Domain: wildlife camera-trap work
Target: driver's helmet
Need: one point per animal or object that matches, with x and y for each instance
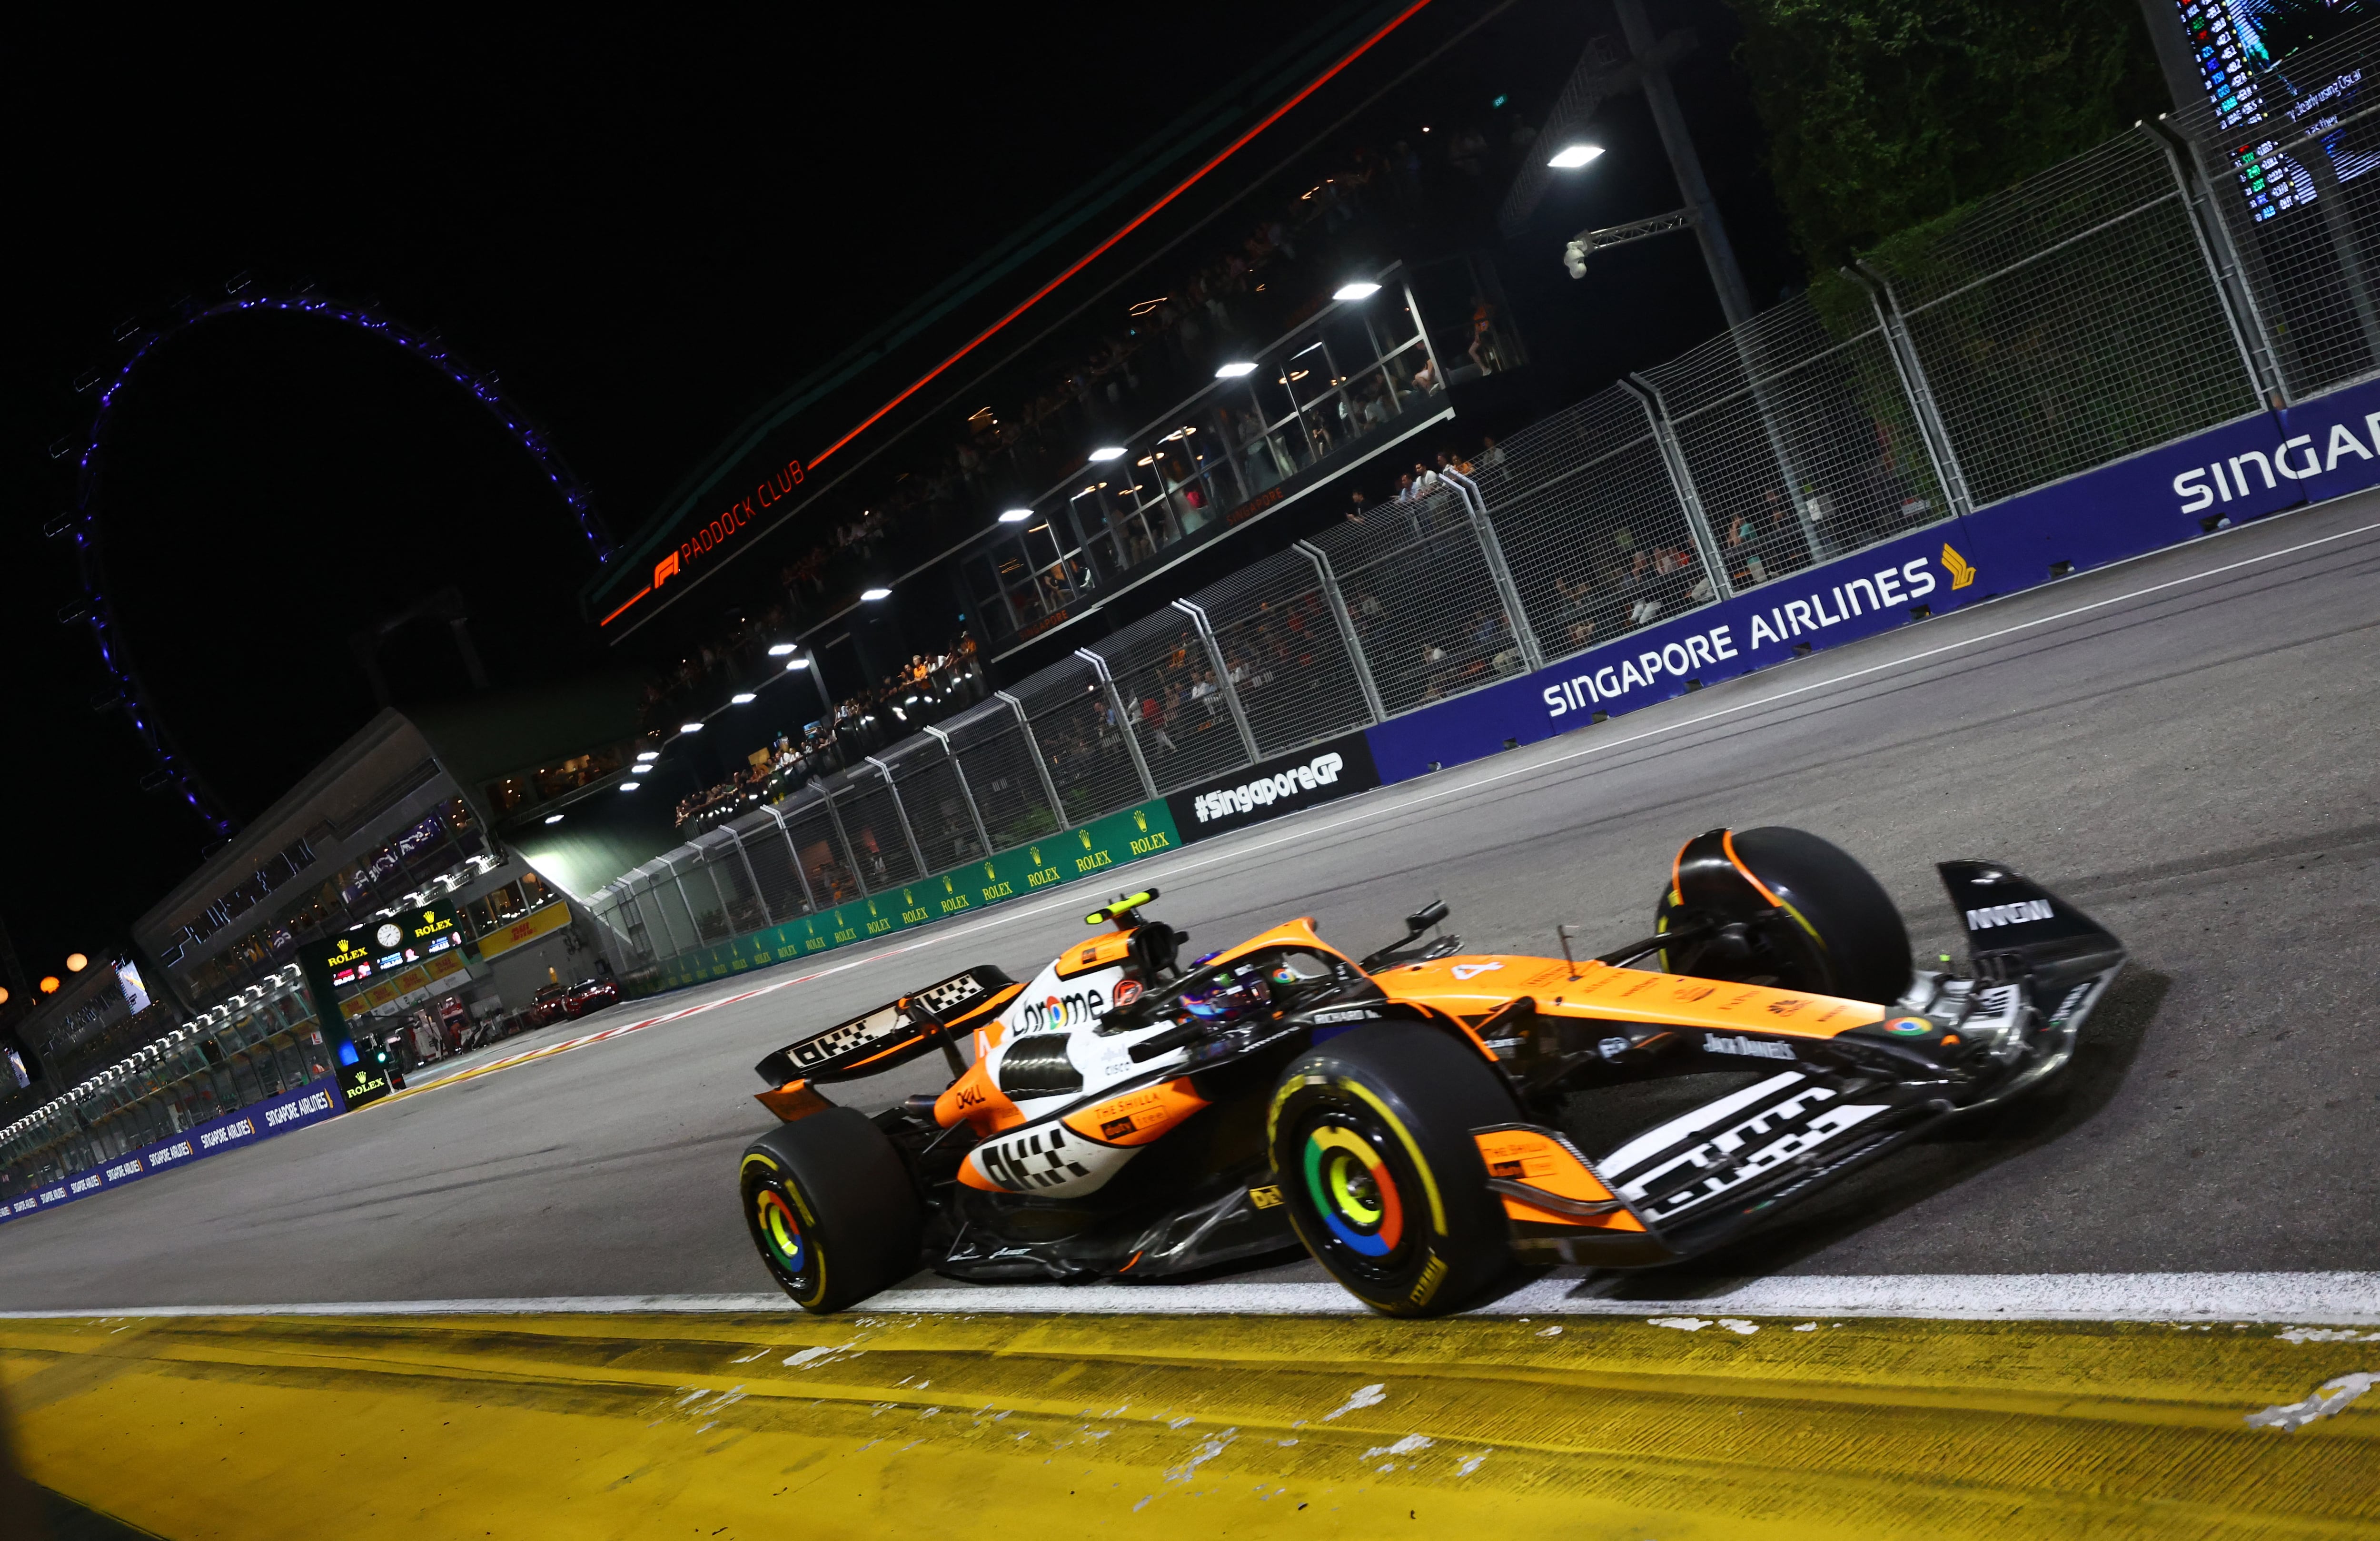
(1230, 996)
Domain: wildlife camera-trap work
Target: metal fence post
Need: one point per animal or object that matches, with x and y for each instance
(1222, 676)
(711, 869)
(1906, 364)
(793, 856)
(1041, 762)
(658, 940)
(1338, 603)
(975, 814)
(1123, 720)
(1499, 572)
(692, 923)
(1681, 482)
(633, 915)
(899, 811)
(767, 916)
(2231, 289)
(1421, 329)
(834, 817)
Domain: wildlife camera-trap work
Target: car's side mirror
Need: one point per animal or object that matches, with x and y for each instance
(1417, 923)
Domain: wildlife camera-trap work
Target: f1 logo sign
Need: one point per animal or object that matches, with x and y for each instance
(665, 568)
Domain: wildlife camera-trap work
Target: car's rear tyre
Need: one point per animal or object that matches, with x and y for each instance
(831, 1209)
(1370, 1138)
(1841, 934)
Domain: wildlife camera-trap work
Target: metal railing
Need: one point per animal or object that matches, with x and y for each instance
(2126, 298)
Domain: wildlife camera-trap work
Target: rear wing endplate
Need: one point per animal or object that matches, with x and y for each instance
(892, 1034)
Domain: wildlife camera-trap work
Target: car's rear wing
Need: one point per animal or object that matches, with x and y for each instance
(895, 1033)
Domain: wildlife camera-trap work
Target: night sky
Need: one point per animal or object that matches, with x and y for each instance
(645, 234)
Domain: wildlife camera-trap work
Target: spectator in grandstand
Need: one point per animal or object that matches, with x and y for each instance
(1743, 551)
(1469, 154)
(1482, 321)
(1577, 610)
(1782, 546)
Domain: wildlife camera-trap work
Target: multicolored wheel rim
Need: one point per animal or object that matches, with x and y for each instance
(1353, 1189)
(781, 1232)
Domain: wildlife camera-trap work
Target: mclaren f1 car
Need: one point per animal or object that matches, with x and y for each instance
(1413, 1118)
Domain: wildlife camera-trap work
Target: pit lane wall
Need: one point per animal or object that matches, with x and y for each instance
(2246, 469)
(311, 1103)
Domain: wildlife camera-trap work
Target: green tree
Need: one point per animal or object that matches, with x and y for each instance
(1882, 114)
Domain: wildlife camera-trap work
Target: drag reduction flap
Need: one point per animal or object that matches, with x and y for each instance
(888, 1035)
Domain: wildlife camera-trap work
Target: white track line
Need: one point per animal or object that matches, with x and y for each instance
(1397, 803)
(2322, 1298)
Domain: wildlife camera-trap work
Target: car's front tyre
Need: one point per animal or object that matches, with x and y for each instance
(1371, 1143)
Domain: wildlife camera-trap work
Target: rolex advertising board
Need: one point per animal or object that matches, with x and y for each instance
(1066, 856)
(400, 951)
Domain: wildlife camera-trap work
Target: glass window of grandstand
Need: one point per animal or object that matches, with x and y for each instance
(1327, 391)
(498, 907)
(1024, 580)
(578, 770)
(502, 907)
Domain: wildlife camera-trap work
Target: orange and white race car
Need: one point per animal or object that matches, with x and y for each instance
(1422, 1119)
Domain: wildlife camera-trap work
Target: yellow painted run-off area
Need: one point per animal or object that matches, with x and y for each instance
(768, 1425)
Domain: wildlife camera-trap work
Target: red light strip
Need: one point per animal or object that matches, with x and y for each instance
(631, 599)
(1145, 215)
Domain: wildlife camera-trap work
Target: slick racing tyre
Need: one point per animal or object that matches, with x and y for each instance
(1839, 933)
(1370, 1138)
(831, 1209)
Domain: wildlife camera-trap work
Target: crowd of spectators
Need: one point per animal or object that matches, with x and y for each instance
(1277, 268)
(923, 691)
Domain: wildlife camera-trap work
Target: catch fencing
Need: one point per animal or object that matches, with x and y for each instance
(2183, 275)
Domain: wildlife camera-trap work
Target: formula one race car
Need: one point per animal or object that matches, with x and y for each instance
(1413, 1119)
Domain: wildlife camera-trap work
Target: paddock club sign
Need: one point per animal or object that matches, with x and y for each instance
(714, 533)
(1285, 783)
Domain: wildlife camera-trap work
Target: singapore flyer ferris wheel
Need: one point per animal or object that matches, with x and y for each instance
(84, 522)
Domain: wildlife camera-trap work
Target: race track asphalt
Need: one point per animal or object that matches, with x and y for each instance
(2187, 745)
